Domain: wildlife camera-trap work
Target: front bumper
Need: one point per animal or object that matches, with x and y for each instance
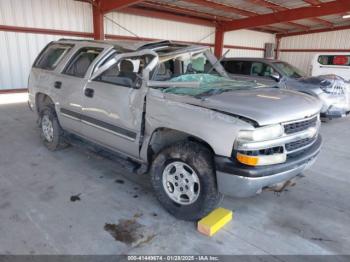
(335, 112)
(334, 106)
(238, 180)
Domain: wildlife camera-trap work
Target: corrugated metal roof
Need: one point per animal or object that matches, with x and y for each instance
(245, 5)
(247, 8)
(290, 4)
(200, 8)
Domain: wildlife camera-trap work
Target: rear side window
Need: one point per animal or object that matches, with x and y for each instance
(81, 61)
(238, 67)
(261, 69)
(51, 56)
(343, 60)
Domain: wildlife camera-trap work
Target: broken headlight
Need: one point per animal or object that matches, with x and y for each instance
(261, 133)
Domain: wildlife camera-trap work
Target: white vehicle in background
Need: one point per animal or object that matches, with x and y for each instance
(331, 64)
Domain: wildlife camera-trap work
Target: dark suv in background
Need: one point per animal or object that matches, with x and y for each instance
(332, 90)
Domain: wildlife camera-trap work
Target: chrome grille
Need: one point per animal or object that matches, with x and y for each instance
(295, 127)
(299, 144)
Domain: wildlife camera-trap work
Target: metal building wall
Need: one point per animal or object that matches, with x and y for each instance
(299, 50)
(18, 50)
(247, 38)
(157, 28)
(53, 14)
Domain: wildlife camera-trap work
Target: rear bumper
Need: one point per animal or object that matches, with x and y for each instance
(238, 180)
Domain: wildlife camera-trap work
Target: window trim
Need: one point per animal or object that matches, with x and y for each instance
(69, 46)
(75, 55)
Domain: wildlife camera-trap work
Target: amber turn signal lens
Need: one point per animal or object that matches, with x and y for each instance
(247, 160)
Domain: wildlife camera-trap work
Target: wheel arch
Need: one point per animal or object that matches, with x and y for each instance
(42, 100)
(162, 137)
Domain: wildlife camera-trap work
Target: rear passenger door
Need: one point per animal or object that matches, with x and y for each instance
(70, 84)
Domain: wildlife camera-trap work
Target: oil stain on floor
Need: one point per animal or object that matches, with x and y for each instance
(75, 198)
(130, 232)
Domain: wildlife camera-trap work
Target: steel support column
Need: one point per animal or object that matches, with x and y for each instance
(98, 25)
(277, 50)
(219, 41)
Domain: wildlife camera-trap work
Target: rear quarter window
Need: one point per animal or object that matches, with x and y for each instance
(343, 60)
(51, 56)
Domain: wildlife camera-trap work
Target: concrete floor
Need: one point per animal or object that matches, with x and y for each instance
(37, 215)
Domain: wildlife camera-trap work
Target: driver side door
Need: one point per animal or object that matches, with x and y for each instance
(112, 106)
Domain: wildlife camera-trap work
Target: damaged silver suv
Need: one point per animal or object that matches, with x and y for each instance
(171, 108)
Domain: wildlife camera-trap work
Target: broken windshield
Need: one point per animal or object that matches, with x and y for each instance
(178, 64)
(196, 74)
(206, 85)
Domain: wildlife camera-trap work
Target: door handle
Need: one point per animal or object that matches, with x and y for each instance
(89, 92)
(58, 85)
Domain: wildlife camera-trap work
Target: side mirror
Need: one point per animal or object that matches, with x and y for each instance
(275, 76)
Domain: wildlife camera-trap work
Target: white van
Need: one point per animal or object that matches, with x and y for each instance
(331, 63)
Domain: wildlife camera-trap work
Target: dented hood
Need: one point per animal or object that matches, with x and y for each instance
(265, 105)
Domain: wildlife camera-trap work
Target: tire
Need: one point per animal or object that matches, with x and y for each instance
(48, 119)
(191, 157)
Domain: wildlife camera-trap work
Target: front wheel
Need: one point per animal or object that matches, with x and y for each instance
(184, 180)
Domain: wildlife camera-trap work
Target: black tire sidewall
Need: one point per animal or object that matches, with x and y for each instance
(200, 160)
(57, 131)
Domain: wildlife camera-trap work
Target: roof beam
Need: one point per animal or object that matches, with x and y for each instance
(328, 8)
(313, 2)
(167, 16)
(274, 29)
(268, 4)
(315, 19)
(322, 21)
(183, 11)
(232, 9)
(222, 7)
(314, 31)
(112, 5)
(300, 26)
(277, 7)
(262, 30)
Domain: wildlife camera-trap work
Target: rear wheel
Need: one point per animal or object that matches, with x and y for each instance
(183, 178)
(50, 129)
